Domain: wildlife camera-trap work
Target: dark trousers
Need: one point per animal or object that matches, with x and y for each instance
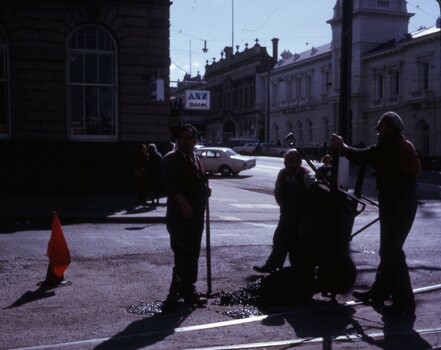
(283, 239)
(185, 242)
(397, 213)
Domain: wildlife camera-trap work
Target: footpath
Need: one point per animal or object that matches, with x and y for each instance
(38, 207)
(77, 207)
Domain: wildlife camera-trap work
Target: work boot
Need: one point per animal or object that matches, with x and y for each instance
(195, 299)
(369, 297)
(170, 302)
(397, 310)
(263, 269)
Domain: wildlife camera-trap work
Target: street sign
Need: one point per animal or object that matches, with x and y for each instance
(197, 99)
(157, 90)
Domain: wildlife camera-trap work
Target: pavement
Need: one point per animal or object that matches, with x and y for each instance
(77, 207)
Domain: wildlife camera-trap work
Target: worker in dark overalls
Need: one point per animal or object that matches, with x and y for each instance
(396, 164)
(187, 191)
(290, 190)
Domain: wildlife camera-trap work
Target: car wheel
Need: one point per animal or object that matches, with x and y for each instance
(225, 170)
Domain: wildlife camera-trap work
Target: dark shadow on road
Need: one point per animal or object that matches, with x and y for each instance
(323, 319)
(137, 228)
(329, 320)
(399, 334)
(147, 331)
(9, 228)
(31, 296)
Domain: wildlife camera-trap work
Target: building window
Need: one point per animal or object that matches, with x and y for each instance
(395, 84)
(425, 75)
(4, 85)
(326, 82)
(308, 86)
(92, 85)
(379, 81)
(423, 137)
(298, 87)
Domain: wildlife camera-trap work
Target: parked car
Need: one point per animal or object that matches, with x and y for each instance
(247, 148)
(224, 160)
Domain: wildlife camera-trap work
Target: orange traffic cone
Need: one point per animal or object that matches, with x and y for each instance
(59, 257)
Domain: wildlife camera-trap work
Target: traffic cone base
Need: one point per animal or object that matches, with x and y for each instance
(53, 281)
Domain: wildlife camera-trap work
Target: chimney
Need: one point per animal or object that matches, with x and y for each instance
(228, 52)
(275, 49)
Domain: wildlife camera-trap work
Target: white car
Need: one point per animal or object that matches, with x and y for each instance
(247, 148)
(224, 160)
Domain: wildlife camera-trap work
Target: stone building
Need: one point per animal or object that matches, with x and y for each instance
(77, 82)
(392, 69)
(232, 83)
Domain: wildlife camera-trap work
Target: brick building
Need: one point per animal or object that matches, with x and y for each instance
(76, 80)
(233, 84)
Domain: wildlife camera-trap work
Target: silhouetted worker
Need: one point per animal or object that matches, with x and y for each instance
(186, 188)
(155, 160)
(141, 170)
(396, 164)
(290, 190)
(324, 172)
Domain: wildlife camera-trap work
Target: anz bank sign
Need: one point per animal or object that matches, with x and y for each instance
(197, 99)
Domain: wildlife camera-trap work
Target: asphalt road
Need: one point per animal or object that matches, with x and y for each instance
(117, 265)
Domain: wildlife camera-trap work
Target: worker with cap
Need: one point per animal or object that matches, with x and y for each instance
(397, 166)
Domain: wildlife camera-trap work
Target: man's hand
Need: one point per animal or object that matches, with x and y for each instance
(337, 142)
(187, 210)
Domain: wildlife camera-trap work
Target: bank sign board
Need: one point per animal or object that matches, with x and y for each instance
(197, 99)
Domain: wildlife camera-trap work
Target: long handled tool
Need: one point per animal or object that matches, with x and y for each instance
(208, 243)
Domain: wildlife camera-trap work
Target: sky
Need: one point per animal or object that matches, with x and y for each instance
(299, 24)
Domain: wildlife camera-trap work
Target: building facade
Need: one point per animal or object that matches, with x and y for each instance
(392, 69)
(76, 80)
(233, 83)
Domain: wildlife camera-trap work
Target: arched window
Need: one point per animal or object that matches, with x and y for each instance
(423, 138)
(4, 85)
(92, 85)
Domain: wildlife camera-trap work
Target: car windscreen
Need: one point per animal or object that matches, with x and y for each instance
(230, 152)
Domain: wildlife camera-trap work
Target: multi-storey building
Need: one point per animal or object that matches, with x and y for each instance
(75, 90)
(232, 83)
(392, 69)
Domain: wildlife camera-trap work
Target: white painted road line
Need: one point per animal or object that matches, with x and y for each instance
(229, 218)
(254, 206)
(345, 338)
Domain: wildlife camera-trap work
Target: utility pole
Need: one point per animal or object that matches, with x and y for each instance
(345, 71)
(232, 24)
(268, 106)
